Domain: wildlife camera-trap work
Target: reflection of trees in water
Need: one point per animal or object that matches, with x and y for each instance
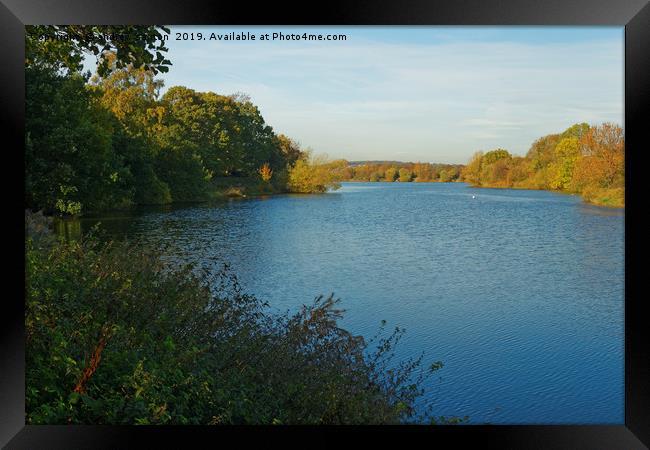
(70, 229)
(587, 209)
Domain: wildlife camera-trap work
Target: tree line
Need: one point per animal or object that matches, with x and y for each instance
(390, 171)
(584, 159)
(111, 141)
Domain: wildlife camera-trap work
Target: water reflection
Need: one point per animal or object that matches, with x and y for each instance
(68, 228)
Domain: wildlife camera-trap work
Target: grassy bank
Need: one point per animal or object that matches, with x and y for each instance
(611, 198)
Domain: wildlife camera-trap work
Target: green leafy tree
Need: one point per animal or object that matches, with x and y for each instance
(70, 165)
(541, 152)
(495, 155)
(472, 171)
(561, 169)
(390, 174)
(405, 175)
(63, 47)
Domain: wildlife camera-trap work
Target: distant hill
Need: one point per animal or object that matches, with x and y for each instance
(360, 163)
(395, 163)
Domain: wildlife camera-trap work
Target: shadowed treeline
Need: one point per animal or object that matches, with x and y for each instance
(111, 141)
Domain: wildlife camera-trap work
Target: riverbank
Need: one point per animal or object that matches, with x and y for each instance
(608, 198)
(241, 187)
(398, 181)
(220, 189)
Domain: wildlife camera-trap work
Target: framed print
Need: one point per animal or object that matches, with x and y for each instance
(378, 218)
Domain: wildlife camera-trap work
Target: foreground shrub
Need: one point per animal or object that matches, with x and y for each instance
(115, 335)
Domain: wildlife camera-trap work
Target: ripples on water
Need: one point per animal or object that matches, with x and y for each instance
(519, 293)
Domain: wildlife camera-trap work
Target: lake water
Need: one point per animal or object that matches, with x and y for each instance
(519, 293)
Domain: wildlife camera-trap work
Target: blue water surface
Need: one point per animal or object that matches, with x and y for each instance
(519, 293)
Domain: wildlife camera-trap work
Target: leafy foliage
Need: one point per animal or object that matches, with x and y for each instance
(390, 174)
(116, 335)
(265, 172)
(63, 47)
(587, 160)
(111, 141)
(402, 171)
(70, 162)
(313, 174)
(405, 175)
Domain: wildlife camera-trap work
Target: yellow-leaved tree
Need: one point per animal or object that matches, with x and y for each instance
(561, 169)
(312, 174)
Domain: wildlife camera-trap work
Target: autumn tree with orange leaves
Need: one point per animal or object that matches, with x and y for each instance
(585, 160)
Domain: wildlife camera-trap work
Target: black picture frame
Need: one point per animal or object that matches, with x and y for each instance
(633, 14)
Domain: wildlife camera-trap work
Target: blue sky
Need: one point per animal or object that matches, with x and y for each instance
(433, 94)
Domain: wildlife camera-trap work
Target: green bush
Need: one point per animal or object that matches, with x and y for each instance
(405, 175)
(116, 335)
(390, 174)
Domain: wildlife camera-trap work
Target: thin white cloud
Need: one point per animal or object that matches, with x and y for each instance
(438, 102)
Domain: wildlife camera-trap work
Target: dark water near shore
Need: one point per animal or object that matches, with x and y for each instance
(519, 293)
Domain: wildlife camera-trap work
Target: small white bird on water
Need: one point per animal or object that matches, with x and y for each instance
(473, 196)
